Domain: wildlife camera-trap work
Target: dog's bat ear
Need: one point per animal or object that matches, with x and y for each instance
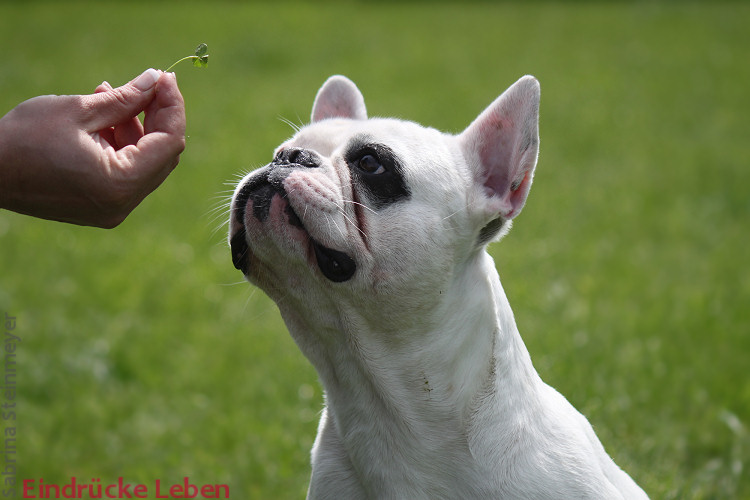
(339, 98)
(502, 145)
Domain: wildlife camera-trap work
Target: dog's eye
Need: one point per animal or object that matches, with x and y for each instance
(376, 171)
(370, 165)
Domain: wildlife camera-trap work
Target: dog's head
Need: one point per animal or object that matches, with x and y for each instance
(375, 208)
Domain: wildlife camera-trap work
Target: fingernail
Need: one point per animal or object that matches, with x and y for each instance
(146, 80)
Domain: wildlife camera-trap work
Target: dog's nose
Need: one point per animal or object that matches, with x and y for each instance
(297, 157)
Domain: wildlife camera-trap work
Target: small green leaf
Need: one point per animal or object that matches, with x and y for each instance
(201, 50)
(201, 62)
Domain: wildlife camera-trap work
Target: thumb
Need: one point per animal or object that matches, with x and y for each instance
(112, 107)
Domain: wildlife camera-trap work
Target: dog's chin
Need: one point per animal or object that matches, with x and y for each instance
(334, 265)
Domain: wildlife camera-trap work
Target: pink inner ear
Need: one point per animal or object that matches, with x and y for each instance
(339, 97)
(495, 149)
(508, 168)
(504, 140)
(333, 109)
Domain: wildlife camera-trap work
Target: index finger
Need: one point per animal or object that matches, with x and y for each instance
(166, 113)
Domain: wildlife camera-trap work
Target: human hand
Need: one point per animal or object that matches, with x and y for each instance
(87, 159)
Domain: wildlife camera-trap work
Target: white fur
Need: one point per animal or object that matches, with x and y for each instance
(430, 391)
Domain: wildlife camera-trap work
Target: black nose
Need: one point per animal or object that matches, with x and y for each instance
(297, 157)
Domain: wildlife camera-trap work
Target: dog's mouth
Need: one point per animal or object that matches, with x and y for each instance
(335, 265)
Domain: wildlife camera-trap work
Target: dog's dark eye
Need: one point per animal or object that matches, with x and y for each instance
(370, 165)
(376, 172)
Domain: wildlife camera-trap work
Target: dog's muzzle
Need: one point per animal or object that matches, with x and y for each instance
(336, 266)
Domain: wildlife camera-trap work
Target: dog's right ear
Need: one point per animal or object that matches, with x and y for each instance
(502, 145)
(339, 98)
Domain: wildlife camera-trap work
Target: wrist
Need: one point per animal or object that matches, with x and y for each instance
(16, 176)
(7, 171)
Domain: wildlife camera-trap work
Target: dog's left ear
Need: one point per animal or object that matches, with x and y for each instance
(501, 147)
(339, 98)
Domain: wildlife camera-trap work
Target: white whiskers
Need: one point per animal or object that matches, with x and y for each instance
(293, 125)
(360, 204)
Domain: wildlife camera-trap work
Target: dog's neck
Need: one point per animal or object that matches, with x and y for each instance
(417, 395)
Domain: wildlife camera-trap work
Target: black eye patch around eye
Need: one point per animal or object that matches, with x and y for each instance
(382, 186)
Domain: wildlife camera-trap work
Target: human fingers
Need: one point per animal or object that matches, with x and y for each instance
(164, 126)
(129, 132)
(107, 134)
(103, 87)
(166, 113)
(122, 134)
(117, 105)
(157, 153)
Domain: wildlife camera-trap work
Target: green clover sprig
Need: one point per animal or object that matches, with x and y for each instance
(200, 58)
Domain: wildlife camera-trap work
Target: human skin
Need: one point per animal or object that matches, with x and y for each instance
(88, 159)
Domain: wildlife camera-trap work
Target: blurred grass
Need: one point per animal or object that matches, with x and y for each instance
(143, 355)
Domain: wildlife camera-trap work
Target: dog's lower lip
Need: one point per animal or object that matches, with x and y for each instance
(239, 248)
(336, 266)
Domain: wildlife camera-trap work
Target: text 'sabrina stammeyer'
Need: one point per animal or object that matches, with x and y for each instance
(8, 406)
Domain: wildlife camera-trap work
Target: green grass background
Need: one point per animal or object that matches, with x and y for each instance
(145, 356)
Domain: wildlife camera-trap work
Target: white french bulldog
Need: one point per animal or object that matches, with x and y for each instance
(370, 235)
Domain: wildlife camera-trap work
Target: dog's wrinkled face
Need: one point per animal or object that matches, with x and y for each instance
(362, 207)
(346, 201)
